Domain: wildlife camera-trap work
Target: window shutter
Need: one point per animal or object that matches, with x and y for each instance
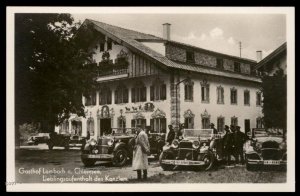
(94, 99)
(133, 123)
(108, 97)
(144, 94)
(151, 93)
(163, 92)
(125, 96)
(207, 93)
(163, 125)
(152, 124)
(116, 96)
(185, 92)
(133, 95)
(192, 92)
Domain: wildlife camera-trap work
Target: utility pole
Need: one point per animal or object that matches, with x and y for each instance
(240, 44)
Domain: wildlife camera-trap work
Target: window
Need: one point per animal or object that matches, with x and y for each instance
(90, 126)
(158, 90)
(233, 96)
(64, 127)
(135, 122)
(246, 97)
(188, 91)
(189, 122)
(220, 95)
(109, 45)
(259, 123)
(121, 94)
(121, 122)
(138, 93)
(204, 92)
(220, 63)
(105, 96)
(190, 58)
(258, 98)
(237, 67)
(90, 99)
(205, 123)
(158, 125)
(234, 121)
(101, 47)
(220, 124)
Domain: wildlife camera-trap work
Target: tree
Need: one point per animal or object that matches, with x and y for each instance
(274, 90)
(51, 72)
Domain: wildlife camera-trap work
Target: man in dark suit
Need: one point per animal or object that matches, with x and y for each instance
(171, 135)
(228, 145)
(239, 140)
(212, 126)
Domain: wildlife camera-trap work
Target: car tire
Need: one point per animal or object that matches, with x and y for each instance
(50, 146)
(166, 155)
(250, 167)
(209, 159)
(120, 157)
(88, 162)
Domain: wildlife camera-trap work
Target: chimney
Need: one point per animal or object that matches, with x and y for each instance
(258, 55)
(166, 31)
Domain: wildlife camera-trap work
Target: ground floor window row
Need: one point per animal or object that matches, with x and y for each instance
(158, 125)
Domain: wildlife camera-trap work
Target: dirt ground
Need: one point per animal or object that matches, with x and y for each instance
(38, 164)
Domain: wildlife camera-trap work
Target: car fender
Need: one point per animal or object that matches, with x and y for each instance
(120, 145)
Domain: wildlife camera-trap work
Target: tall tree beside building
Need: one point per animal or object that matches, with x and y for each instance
(275, 100)
(50, 71)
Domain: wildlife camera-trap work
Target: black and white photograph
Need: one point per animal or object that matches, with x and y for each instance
(150, 99)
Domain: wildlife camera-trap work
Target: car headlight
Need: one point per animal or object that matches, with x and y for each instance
(282, 146)
(175, 144)
(93, 142)
(196, 144)
(110, 142)
(258, 145)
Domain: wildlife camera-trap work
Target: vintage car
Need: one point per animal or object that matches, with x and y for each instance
(157, 142)
(116, 147)
(266, 148)
(196, 148)
(77, 141)
(66, 141)
(38, 139)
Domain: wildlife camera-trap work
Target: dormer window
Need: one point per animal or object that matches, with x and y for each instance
(237, 67)
(109, 45)
(190, 57)
(220, 63)
(101, 47)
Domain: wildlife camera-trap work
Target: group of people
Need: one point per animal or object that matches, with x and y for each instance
(232, 145)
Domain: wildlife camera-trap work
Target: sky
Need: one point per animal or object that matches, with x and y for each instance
(217, 32)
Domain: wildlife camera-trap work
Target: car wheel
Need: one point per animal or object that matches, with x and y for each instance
(250, 167)
(208, 159)
(50, 146)
(166, 155)
(120, 157)
(88, 162)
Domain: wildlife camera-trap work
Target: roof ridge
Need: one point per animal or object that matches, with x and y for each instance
(135, 31)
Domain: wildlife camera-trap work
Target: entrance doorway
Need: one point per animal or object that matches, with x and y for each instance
(247, 126)
(105, 126)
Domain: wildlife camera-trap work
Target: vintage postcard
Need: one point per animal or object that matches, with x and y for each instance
(150, 99)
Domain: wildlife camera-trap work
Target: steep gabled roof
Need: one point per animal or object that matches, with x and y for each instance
(131, 39)
(280, 50)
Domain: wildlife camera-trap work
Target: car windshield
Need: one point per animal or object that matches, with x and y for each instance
(267, 133)
(206, 133)
(122, 131)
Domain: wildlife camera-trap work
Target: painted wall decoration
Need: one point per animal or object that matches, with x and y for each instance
(147, 107)
(158, 114)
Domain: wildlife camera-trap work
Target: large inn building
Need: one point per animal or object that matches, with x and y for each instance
(155, 82)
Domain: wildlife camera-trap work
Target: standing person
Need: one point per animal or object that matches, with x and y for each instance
(140, 153)
(180, 131)
(228, 145)
(239, 140)
(171, 135)
(212, 126)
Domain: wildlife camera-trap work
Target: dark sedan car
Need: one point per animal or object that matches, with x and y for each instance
(266, 148)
